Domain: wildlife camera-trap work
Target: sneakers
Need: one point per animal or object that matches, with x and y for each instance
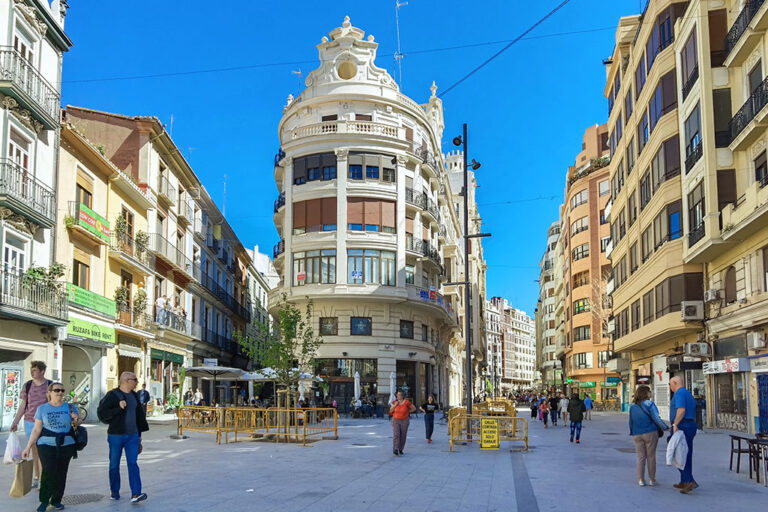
(42, 507)
(139, 497)
(35, 483)
(395, 453)
(429, 441)
(652, 483)
(114, 496)
(400, 451)
(641, 483)
(58, 506)
(571, 438)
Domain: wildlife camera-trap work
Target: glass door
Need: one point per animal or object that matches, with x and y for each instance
(10, 391)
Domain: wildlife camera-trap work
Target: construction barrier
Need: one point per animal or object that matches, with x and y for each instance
(467, 428)
(281, 424)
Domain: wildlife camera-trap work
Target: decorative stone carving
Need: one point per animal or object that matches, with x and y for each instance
(18, 221)
(402, 160)
(753, 59)
(23, 115)
(757, 147)
(31, 16)
(341, 154)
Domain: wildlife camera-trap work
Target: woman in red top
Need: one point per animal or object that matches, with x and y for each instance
(400, 409)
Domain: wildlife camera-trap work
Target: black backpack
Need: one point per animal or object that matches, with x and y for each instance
(79, 434)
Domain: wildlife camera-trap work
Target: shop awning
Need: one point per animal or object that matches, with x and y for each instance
(129, 351)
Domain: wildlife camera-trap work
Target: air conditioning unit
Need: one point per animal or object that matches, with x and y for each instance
(711, 295)
(755, 340)
(692, 310)
(696, 349)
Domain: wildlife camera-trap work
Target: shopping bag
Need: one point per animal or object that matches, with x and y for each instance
(22, 484)
(14, 445)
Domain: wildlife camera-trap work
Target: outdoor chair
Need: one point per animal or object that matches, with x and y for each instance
(750, 449)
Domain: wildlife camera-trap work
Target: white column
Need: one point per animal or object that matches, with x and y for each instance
(288, 223)
(400, 219)
(342, 166)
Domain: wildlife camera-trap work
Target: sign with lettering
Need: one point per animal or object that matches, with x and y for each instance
(89, 300)
(733, 365)
(84, 330)
(93, 222)
(357, 274)
(166, 356)
(587, 384)
(210, 361)
(489, 434)
(759, 363)
(613, 379)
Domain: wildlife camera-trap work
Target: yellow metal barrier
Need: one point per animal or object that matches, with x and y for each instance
(200, 419)
(467, 428)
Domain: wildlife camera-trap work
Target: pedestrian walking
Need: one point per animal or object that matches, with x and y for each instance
(53, 435)
(588, 406)
(144, 397)
(33, 395)
(563, 408)
(576, 410)
(544, 411)
(541, 400)
(645, 426)
(554, 402)
(682, 414)
(121, 409)
(534, 408)
(400, 409)
(429, 408)
(198, 397)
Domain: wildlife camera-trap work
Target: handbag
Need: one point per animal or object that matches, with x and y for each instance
(79, 434)
(659, 430)
(22, 483)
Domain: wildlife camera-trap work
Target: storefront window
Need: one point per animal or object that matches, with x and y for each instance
(347, 367)
(731, 394)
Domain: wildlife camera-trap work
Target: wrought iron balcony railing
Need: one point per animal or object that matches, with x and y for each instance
(27, 294)
(693, 155)
(741, 24)
(27, 84)
(689, 83)
(749, 110)
(166, 250)
(279, 202)
(278, 249)
(138, 320)
(24, 194)
(696, 234)
(127, 246)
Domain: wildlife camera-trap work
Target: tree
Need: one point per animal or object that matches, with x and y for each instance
(291, 343)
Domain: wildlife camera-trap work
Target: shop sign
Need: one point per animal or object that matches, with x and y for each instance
(93, 222)
(166, 356)
(737, 364)
(90, 300)
(759, 363)
(210, 361)
(587, 384)
(609, 384)
(643, 380)
(489, 434)
(569, 380)
(613, 380)
(85, 330)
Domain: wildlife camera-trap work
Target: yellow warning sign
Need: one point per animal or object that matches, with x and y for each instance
(489, 434)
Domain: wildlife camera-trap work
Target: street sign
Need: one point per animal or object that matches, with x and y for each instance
(613, 379)
(489, 434)
(357, 274)
(210, 361)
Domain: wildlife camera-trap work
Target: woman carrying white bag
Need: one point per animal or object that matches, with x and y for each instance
(22, 482)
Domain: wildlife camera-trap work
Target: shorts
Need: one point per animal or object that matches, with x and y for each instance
(28, 426)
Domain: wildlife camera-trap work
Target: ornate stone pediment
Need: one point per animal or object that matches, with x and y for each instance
(23, 115)
(31, 16)
(18, 221)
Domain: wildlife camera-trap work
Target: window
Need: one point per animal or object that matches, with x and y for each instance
(690, 62)
(364, 214)
(580, 306)
(356, 172)
(620, 271)
(581, 279)
(642, 132)
(645, 189)
(424, 332)
(80, 274)
(647, 243)
(388, 175)
(83, 196)
(409, 274)
(579, 198)
(696, 209)
(664, 98)
(582, 333)
(640, 77)
(761, 169)
(582, 361)
(360, 326)
(314, 215)
(635, 313)
(580, 252)
(632, 208)
(329, 326)
(370, 267)
(308, 168)
(602, 217)
(648, 307)
(605, 187)
(692, 137)
(371, 172)
(628, 106)
(755, 77)
(617, 182)
(406, 329)
(579, 226)
(313, 267)
(730, 286)
(603, 357)
(630, 156)
(372, 164)
(604, 243)
(633, 258)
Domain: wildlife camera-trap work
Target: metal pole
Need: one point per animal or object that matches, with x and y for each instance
(467, 293)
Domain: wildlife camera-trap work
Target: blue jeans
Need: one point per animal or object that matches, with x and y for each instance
(576, 427)
(553, 416)
(129, 443)
(429, 424)
(689, 429)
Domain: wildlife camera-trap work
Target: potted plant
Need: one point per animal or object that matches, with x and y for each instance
(140, 302)
(122, 297)
(142, 241)
(46, 278)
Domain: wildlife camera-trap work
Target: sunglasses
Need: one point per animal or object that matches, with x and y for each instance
(60, 390)
(134, 378)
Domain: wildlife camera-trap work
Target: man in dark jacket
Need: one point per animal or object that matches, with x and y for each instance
(122, 410)
(554, 401)
(576, 409)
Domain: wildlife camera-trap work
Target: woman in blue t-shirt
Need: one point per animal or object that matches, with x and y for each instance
(55, 445)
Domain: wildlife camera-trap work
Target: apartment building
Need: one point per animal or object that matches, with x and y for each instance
(546, 324)
(175, 269)
(518, 348)
(493, 346)
(33, 308)
(368, 229)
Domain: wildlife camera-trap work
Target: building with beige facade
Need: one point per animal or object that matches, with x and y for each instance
(546, 322)
(368, 228)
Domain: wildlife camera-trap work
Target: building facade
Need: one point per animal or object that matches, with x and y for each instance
(518, 348)
(33, 308)
(367, 228)
(493, 345)
(546, 320)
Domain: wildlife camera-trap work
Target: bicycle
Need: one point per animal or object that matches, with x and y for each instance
(79, 402)
(444, 418)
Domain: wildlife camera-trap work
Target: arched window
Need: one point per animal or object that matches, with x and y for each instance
(730, 285)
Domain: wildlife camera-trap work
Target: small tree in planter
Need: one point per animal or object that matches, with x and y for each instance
(142, 241)
(122, 297)
(177, 402)
(47, 278)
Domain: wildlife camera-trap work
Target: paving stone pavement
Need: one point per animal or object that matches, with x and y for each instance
(359, 472)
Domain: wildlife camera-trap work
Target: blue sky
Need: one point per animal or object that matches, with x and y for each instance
(526, 110)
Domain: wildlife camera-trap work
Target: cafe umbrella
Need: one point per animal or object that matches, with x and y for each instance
(215, 373)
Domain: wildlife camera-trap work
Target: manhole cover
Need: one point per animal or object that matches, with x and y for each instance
(81, 499)
(626, 450)
(610, 433)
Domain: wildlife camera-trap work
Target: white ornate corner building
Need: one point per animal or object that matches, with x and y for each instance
(367, 228)
(32, 44)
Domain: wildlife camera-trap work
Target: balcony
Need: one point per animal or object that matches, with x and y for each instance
(747, 113)
(200, 229)
(131, 253)
(279, 156)
(693, 155)
(609, 249)
(609, 287)
(279, 202)
(20, 80)
(696, 234)
(165, 190)
(218, 340)
(130, 318)
(432, 297)
(30, 299)
(607, 211)
(416, 199)
(167, 251)
(185, 213)
(749, 213)
(174, 321)
(739, 38)
(86, 222)
(25, 195)
(221, 293)
(691, 81)
(344, 127)
(278, 249)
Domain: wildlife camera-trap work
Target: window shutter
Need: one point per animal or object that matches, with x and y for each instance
(408, 225)
(356, 159)
(314, 215)
(425, 231)
(355, 210)
(388, 214)
(313, 161)
(373, 212)
(299, 214)
(668, 92)
(672, 156)
(299, 169)
(329, 210)
(726, 188)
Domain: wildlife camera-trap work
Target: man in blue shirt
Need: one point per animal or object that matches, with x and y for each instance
(588, 405)
(682, 415)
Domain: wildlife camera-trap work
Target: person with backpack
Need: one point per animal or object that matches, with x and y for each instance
(576, 410)
(33, 394)
(53, 434)
(122, 410)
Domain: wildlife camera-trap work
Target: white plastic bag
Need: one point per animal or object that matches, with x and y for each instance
(677, 450)
(14, 446)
